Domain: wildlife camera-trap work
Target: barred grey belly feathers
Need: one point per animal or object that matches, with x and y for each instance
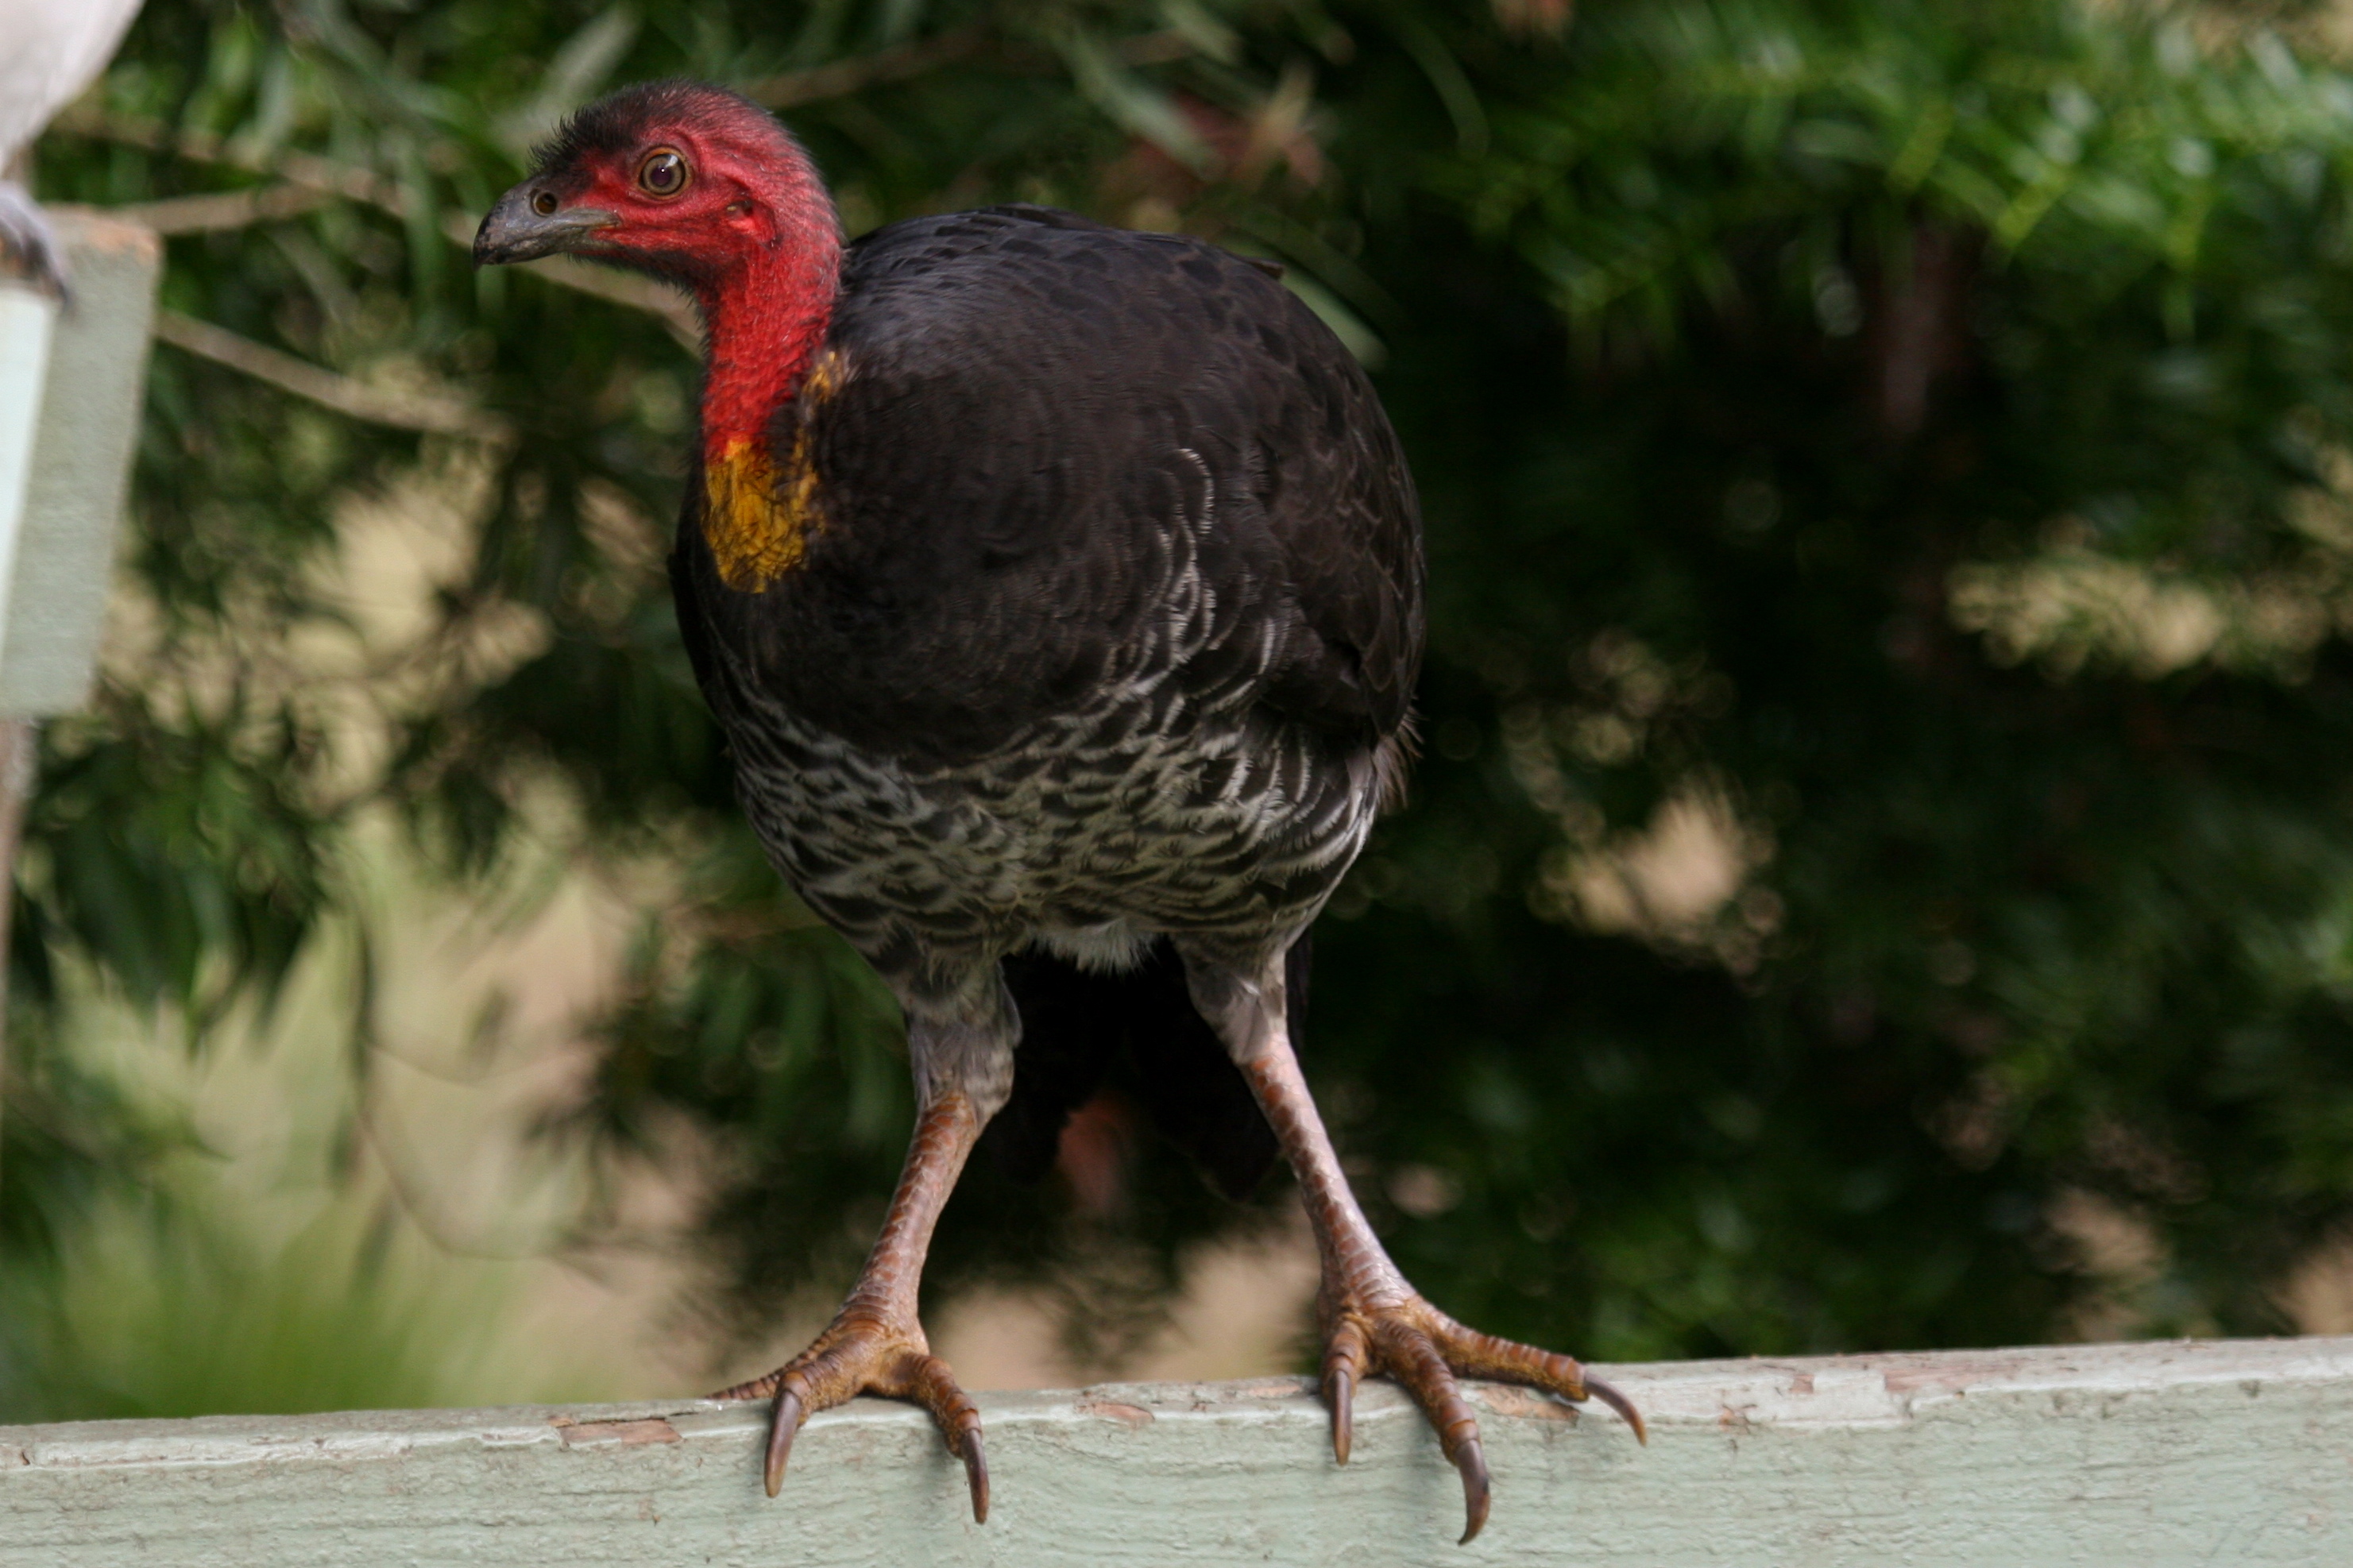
(1155, 807)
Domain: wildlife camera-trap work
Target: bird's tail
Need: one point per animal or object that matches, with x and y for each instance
(1084, 1033)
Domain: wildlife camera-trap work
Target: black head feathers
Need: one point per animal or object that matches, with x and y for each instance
(623, 120)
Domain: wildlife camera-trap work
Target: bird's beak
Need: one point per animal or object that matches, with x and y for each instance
(514, 232)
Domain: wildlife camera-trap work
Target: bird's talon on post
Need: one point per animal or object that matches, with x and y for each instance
(782, 1426)
(1621, 1403)
(976, 1469)
(1470, 1458)
(1425, 1352)
(1344, 1360)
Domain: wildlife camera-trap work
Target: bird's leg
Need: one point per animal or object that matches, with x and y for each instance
(962, 1028)
(1371, 1319)
(874, 1344)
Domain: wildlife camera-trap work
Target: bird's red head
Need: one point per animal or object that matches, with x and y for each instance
(676, 178)
(694, 184)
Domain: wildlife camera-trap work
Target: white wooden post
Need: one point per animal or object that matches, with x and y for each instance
(2145, 1456)
(58, 563)
(25, 317)
(72, 382)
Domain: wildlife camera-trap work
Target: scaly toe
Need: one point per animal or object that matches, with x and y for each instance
(1411, 1355)
(1474, 1355)
(859, 1355)
(1424, 1350)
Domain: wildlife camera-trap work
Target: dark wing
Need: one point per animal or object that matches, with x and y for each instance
(1343, 508)
(1040, 418)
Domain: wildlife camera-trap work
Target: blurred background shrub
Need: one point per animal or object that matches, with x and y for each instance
(1881, 873)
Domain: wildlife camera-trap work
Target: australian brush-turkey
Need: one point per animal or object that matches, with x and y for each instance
(1058, 591)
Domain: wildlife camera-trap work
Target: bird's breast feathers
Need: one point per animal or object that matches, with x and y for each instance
(759, 507)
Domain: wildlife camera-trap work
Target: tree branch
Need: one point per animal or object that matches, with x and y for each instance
(323, 174)
(224, 209)
(439, 413)
(310, 180)
(839, 79)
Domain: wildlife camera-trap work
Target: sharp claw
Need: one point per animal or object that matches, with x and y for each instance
(976, 1471)
(1621, 1403)
(1341, 1390)
(1343, 1357)
(786, 1422)
(1471, 1460)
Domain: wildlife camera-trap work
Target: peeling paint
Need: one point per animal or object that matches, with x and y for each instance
(1113, 1410)
(1528, 1407)
(2152, 1454)
(628, 1434)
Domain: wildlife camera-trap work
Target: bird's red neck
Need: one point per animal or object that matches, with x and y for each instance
(765, 316)
(766, 319)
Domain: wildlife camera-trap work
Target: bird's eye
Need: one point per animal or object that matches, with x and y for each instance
(543, 203)
(663, 172)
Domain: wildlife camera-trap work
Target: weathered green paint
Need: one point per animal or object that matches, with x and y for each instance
(55, 586)
(2219, 1452)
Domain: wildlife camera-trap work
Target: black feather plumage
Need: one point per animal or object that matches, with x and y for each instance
(1106, 633)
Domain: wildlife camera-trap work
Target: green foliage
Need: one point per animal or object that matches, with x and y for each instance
(170, 1310)
(1904, 450)
(1856, 310)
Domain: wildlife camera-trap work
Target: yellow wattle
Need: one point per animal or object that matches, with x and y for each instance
(757, 514)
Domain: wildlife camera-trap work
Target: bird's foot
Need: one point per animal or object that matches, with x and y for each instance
(28, 246)
(866, 1351)
(1389, 1330)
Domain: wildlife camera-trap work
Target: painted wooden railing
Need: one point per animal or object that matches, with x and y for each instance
(2218, 1452)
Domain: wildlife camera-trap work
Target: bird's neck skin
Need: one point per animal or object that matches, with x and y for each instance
(765, 321)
